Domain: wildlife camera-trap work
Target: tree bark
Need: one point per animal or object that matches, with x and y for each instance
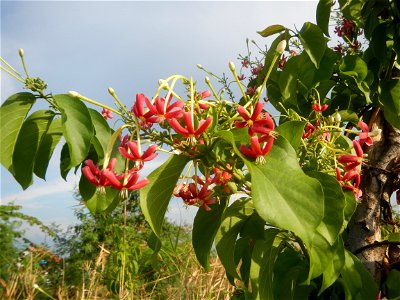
(380, 178)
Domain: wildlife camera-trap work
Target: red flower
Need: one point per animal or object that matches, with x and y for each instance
(352, 161)
(107, 114)
(191, 194)
(309, 129)
(241, 77)
(245, 63)
(282, 62)
(257, 122)
(364, 137)
(188, 131)
(350, 181)
(145, 119)
(205, 94)
(319, 108)
(251, 90)
(221, 178)
(131, 152)
(95, 175)
(165, 111)
(258, 148)
(129, 180)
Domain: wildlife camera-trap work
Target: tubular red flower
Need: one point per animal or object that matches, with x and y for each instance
(133, 153)
(319, 108)
(107, 114)
(189, 131)
(257, 122)
(364, 137)
(165, 111)
(96, 176)
(145, 118)
(256, 150)
(129, 180)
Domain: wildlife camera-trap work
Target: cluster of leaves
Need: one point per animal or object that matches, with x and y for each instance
(292, 203)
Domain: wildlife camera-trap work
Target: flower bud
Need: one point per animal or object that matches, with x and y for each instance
(73, 94)
(21, 52)
(338, 117)
(232, 66)
(200, 66)
(111, 91)
(281, 46)
(207, 80)
(35, 286)
(258, 90)
(375, 132)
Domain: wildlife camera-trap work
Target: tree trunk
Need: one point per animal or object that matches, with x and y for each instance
(380, 178)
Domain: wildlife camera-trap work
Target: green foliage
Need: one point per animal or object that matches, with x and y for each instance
(154, 203)
(284, 235)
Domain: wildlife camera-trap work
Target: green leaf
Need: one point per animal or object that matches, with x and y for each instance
(391, 101)
(334, 204)
(354, 66)
(12, 114)
(288, 81)
(233, 219)
(350, 208)
(348, 116)
(323, 15)
(292, 132)
(27, 145)
(392, 284)
(272, 29)
(262, 263)
(155, 196)
(101, 201)
(205, 226)
(357, 281)
(102, 131)
(65, 161)
(48, 143)
(77, 127)
(313, 41)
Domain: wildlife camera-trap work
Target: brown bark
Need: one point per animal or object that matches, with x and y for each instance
(380, 178)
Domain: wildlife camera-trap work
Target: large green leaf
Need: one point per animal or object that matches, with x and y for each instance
(313, 41)
(262, 264)
(288, 81)
(77, 127)
(358, 283)
(272, 29)
(323, 15)
(101, 201)
(27, 145)
(205, 226)
(102, 132)
(392, 284)
(391, 101)
(155, 196)
(12, 114)
(334, 204)
(46, 148)
(233, 220)
(292, 132)
(354, 66)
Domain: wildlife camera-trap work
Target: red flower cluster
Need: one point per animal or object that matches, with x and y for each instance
(260, 129)
(200, 191)
(126, 181)
(107, 114)
(351, 177)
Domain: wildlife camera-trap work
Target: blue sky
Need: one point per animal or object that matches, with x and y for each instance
(90, 46)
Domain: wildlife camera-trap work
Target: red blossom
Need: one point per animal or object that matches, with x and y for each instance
(126, 181)
(131, 152)
(165, 111)
(96, 176)
(251, 90)
(257, 122)
(259, 148)
(241, 77)
(146, 119)
(188, 131)
(245, 63)
(364, 137)
(319, 108)
(352, 161)
(308, 130)
(282, 62)
(192, 194)
(107, 114)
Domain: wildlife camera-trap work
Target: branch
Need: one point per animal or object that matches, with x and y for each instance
(375, 244)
